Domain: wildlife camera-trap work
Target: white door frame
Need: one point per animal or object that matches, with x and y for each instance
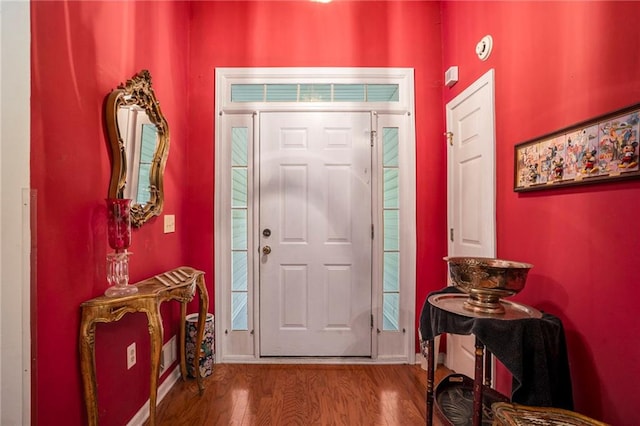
(243, 345)
(489, 241)
(15, 210)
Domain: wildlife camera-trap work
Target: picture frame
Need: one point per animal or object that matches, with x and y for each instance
(598, 150)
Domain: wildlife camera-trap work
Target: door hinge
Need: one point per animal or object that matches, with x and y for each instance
(451, 234)
(372, 231)
(372, 321)
(373, 136)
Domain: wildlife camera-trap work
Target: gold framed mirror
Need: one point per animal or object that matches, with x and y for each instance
(139, 139)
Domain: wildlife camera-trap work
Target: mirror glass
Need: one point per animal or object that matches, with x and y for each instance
(139, 139)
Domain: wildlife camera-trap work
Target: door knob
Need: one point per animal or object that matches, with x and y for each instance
(266, 250)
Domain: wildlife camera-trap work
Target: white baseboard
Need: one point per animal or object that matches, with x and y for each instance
(420, 358)
(143, 413)
(313, 360)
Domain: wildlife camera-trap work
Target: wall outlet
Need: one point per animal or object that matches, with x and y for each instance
(131, 355)
(169, 223)
(168, 355)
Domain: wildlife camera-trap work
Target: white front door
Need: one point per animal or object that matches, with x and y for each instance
(315, 234)
(471, 191)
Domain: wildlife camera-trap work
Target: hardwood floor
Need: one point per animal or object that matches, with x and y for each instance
(300, 394)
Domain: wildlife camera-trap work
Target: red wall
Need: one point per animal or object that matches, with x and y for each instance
(80, 52)
(556, 64)
(338, 34)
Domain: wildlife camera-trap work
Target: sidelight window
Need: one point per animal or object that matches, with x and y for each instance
(239, 227)
(391, 239)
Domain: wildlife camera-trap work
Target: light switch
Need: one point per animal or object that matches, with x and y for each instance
(169, 223)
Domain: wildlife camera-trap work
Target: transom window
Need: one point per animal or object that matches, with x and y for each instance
(331, 92)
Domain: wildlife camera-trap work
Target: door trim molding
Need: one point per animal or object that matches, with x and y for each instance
(226, 77)
(242, 346)
(18, 400)
(487, 79)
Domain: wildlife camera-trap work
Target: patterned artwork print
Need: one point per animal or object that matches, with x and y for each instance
(528, 160)
(618, 144)
(608, 148)
(552, 154)
(582, 150)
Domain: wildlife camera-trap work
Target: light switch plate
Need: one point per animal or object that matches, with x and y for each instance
(169, 223)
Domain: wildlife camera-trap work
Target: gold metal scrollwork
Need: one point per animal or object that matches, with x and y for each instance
(136, 95)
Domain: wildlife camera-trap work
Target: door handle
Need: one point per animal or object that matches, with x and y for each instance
(266, 250)
(449, 136)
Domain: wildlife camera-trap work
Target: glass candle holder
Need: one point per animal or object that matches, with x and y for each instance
(118, 275)
(119, 236)
(119, 223)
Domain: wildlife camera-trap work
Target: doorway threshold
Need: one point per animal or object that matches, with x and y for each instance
(354, 360)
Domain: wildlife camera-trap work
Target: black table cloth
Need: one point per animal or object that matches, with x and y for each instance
(533, 350)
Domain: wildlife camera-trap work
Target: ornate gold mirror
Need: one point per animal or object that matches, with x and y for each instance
(139, 138)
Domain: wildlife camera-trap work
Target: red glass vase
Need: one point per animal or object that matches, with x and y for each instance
(119, 223)
(119, 235)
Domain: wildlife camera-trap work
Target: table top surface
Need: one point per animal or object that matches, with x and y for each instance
(150, 287)
(454, 303)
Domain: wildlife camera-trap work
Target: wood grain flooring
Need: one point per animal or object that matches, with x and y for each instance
(300, 394)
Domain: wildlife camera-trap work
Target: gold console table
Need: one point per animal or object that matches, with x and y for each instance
(178, 284)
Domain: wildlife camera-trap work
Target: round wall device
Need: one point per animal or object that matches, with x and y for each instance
(484, 46)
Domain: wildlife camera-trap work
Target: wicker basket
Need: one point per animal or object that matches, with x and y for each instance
(507, 414)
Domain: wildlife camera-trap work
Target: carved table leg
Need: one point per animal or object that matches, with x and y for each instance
(183, 357)
(155, 333)
(430, 378)
(477, 384)
(88, 367)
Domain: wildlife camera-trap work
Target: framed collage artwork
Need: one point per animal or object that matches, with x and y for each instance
(598, 150)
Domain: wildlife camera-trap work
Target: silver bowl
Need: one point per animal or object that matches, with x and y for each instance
(487, 280)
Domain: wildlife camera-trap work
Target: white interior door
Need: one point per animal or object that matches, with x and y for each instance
(471, 191)
(315, 234)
